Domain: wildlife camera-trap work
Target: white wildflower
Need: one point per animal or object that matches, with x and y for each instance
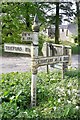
(57, 88)
(62, 90)
(34, 111)
(77, 107)
(74, 91)
(68, 101)
(74, 101)
(59, 100)
(45, 109)
(26, 113)
(69, 84)
(69, 92)
(54, 108)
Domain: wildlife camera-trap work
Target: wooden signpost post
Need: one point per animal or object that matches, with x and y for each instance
(37, 61)
(34, 54)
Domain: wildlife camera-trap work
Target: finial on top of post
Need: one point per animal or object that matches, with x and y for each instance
(35, 26)
(36, 19)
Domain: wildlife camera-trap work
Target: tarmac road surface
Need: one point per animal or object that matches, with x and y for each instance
(23, 64)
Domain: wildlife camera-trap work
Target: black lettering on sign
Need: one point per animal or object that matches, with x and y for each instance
(56, 59)
(34, 91)
(60, 59)
(34, 95)
(34, 102)
(12, 48)
(50, 60)
(23, 34)
(28, 34)
(17, 48)
(9, 48)
(42, 61)
(20, 48)
(66, 58)
(23, 38)
(27, 50)
(66, 52)
(29, 38)
(6, 47)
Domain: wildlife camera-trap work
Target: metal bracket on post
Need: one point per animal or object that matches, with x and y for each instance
(34, 54)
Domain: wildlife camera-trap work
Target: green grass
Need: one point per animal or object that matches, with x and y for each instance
(56, 98)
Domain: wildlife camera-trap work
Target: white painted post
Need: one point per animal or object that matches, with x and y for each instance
(47, 54)
(34, 54)
(64, 64)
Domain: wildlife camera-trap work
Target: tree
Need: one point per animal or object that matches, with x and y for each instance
(67, 10)
(18, 17)
(78, 19)
(57, 24)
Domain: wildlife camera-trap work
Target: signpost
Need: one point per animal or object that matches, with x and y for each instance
(55, 50)
(50, 49)
(36, 61)
(41, 61)
(34, 54)
(17, 48)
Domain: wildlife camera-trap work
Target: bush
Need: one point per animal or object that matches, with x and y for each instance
(56, 98)
(76, 49)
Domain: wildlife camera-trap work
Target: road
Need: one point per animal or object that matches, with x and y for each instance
(23, 64)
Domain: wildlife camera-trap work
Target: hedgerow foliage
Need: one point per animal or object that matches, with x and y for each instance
(56, 98)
